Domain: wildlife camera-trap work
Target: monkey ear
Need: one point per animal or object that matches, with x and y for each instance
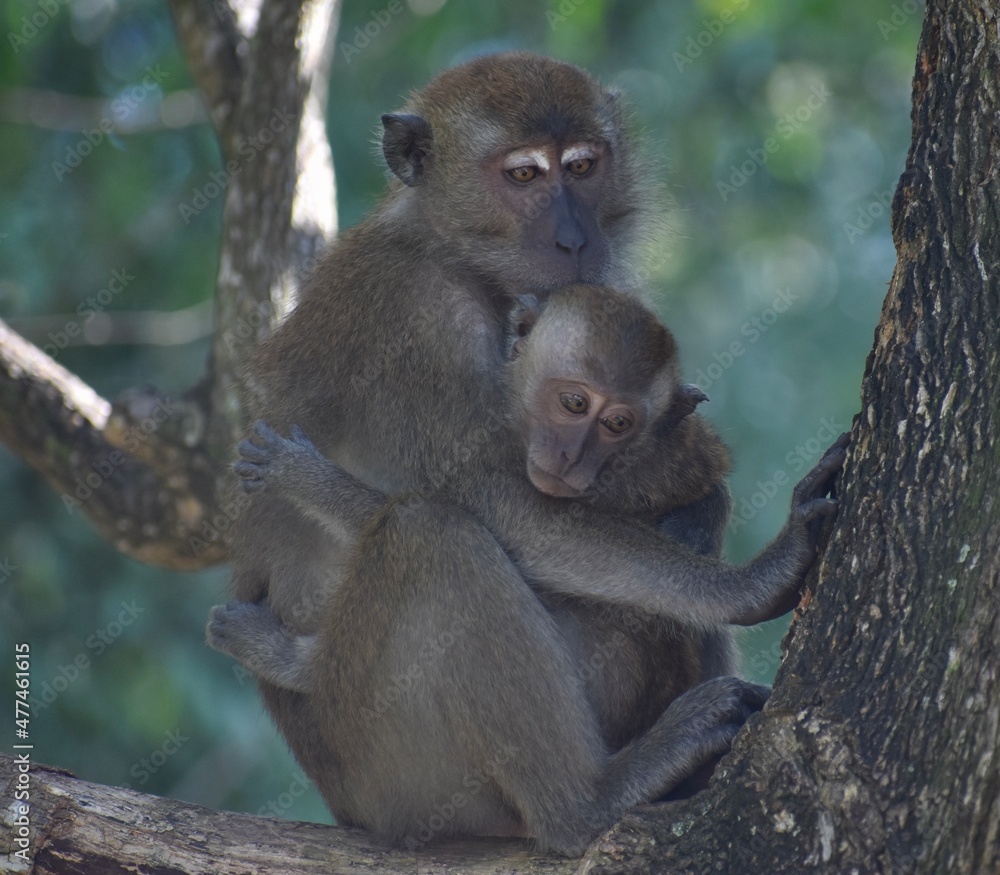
(406, 141)
(687, 396)
(523, 317)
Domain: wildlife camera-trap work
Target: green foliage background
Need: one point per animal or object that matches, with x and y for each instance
(799, 243)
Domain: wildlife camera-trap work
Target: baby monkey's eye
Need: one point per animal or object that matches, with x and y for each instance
(616, 423)
(580, 166)
(574, 403)
(525, 173)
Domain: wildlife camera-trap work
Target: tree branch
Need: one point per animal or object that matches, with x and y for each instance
(214, 44)
(79, 828)
(133, 469)
(280, 201)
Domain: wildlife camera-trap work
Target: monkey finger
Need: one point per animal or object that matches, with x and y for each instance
(747, 711)
(267, 434)
(756, 695)
(251, 452)
(832, 462)
(254, 470)
(842, 442)
(299, 436)
(816, 482)
(748, 700)
(828, 485)
(818, 507)
(217, 627)
(726, 699)
(251, 476)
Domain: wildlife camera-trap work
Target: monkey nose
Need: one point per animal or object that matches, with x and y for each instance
(570, 238)
(570, 458)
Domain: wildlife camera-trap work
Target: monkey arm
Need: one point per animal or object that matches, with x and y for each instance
(585, 553)
(572, 548)
(294, 467)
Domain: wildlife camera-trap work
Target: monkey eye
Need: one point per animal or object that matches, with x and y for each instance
(616, 423)
(574, 403)
(524, 173)
(579, 167)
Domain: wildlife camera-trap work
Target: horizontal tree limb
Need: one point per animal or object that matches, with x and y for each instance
(133, 468)
(75, 827)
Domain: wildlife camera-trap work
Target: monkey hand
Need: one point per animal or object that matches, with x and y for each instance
(272, 460)
(253, 635)
(791, 554)
(810, 506)
(707, 717)
(719, 701)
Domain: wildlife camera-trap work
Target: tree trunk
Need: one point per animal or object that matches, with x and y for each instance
(878, 751)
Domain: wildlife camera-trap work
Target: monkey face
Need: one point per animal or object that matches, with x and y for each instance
(529, 216)
(573, 429)
(549, 196)
(532, 193)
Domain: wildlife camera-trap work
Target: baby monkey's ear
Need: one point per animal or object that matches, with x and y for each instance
(687, 396)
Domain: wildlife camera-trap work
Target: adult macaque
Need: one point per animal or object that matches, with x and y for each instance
(594, 382)
(514, 174)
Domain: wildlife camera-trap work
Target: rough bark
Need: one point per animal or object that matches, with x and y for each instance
(280, 199)
(132, 468)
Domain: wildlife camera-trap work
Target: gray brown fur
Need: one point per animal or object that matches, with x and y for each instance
(393, 363)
